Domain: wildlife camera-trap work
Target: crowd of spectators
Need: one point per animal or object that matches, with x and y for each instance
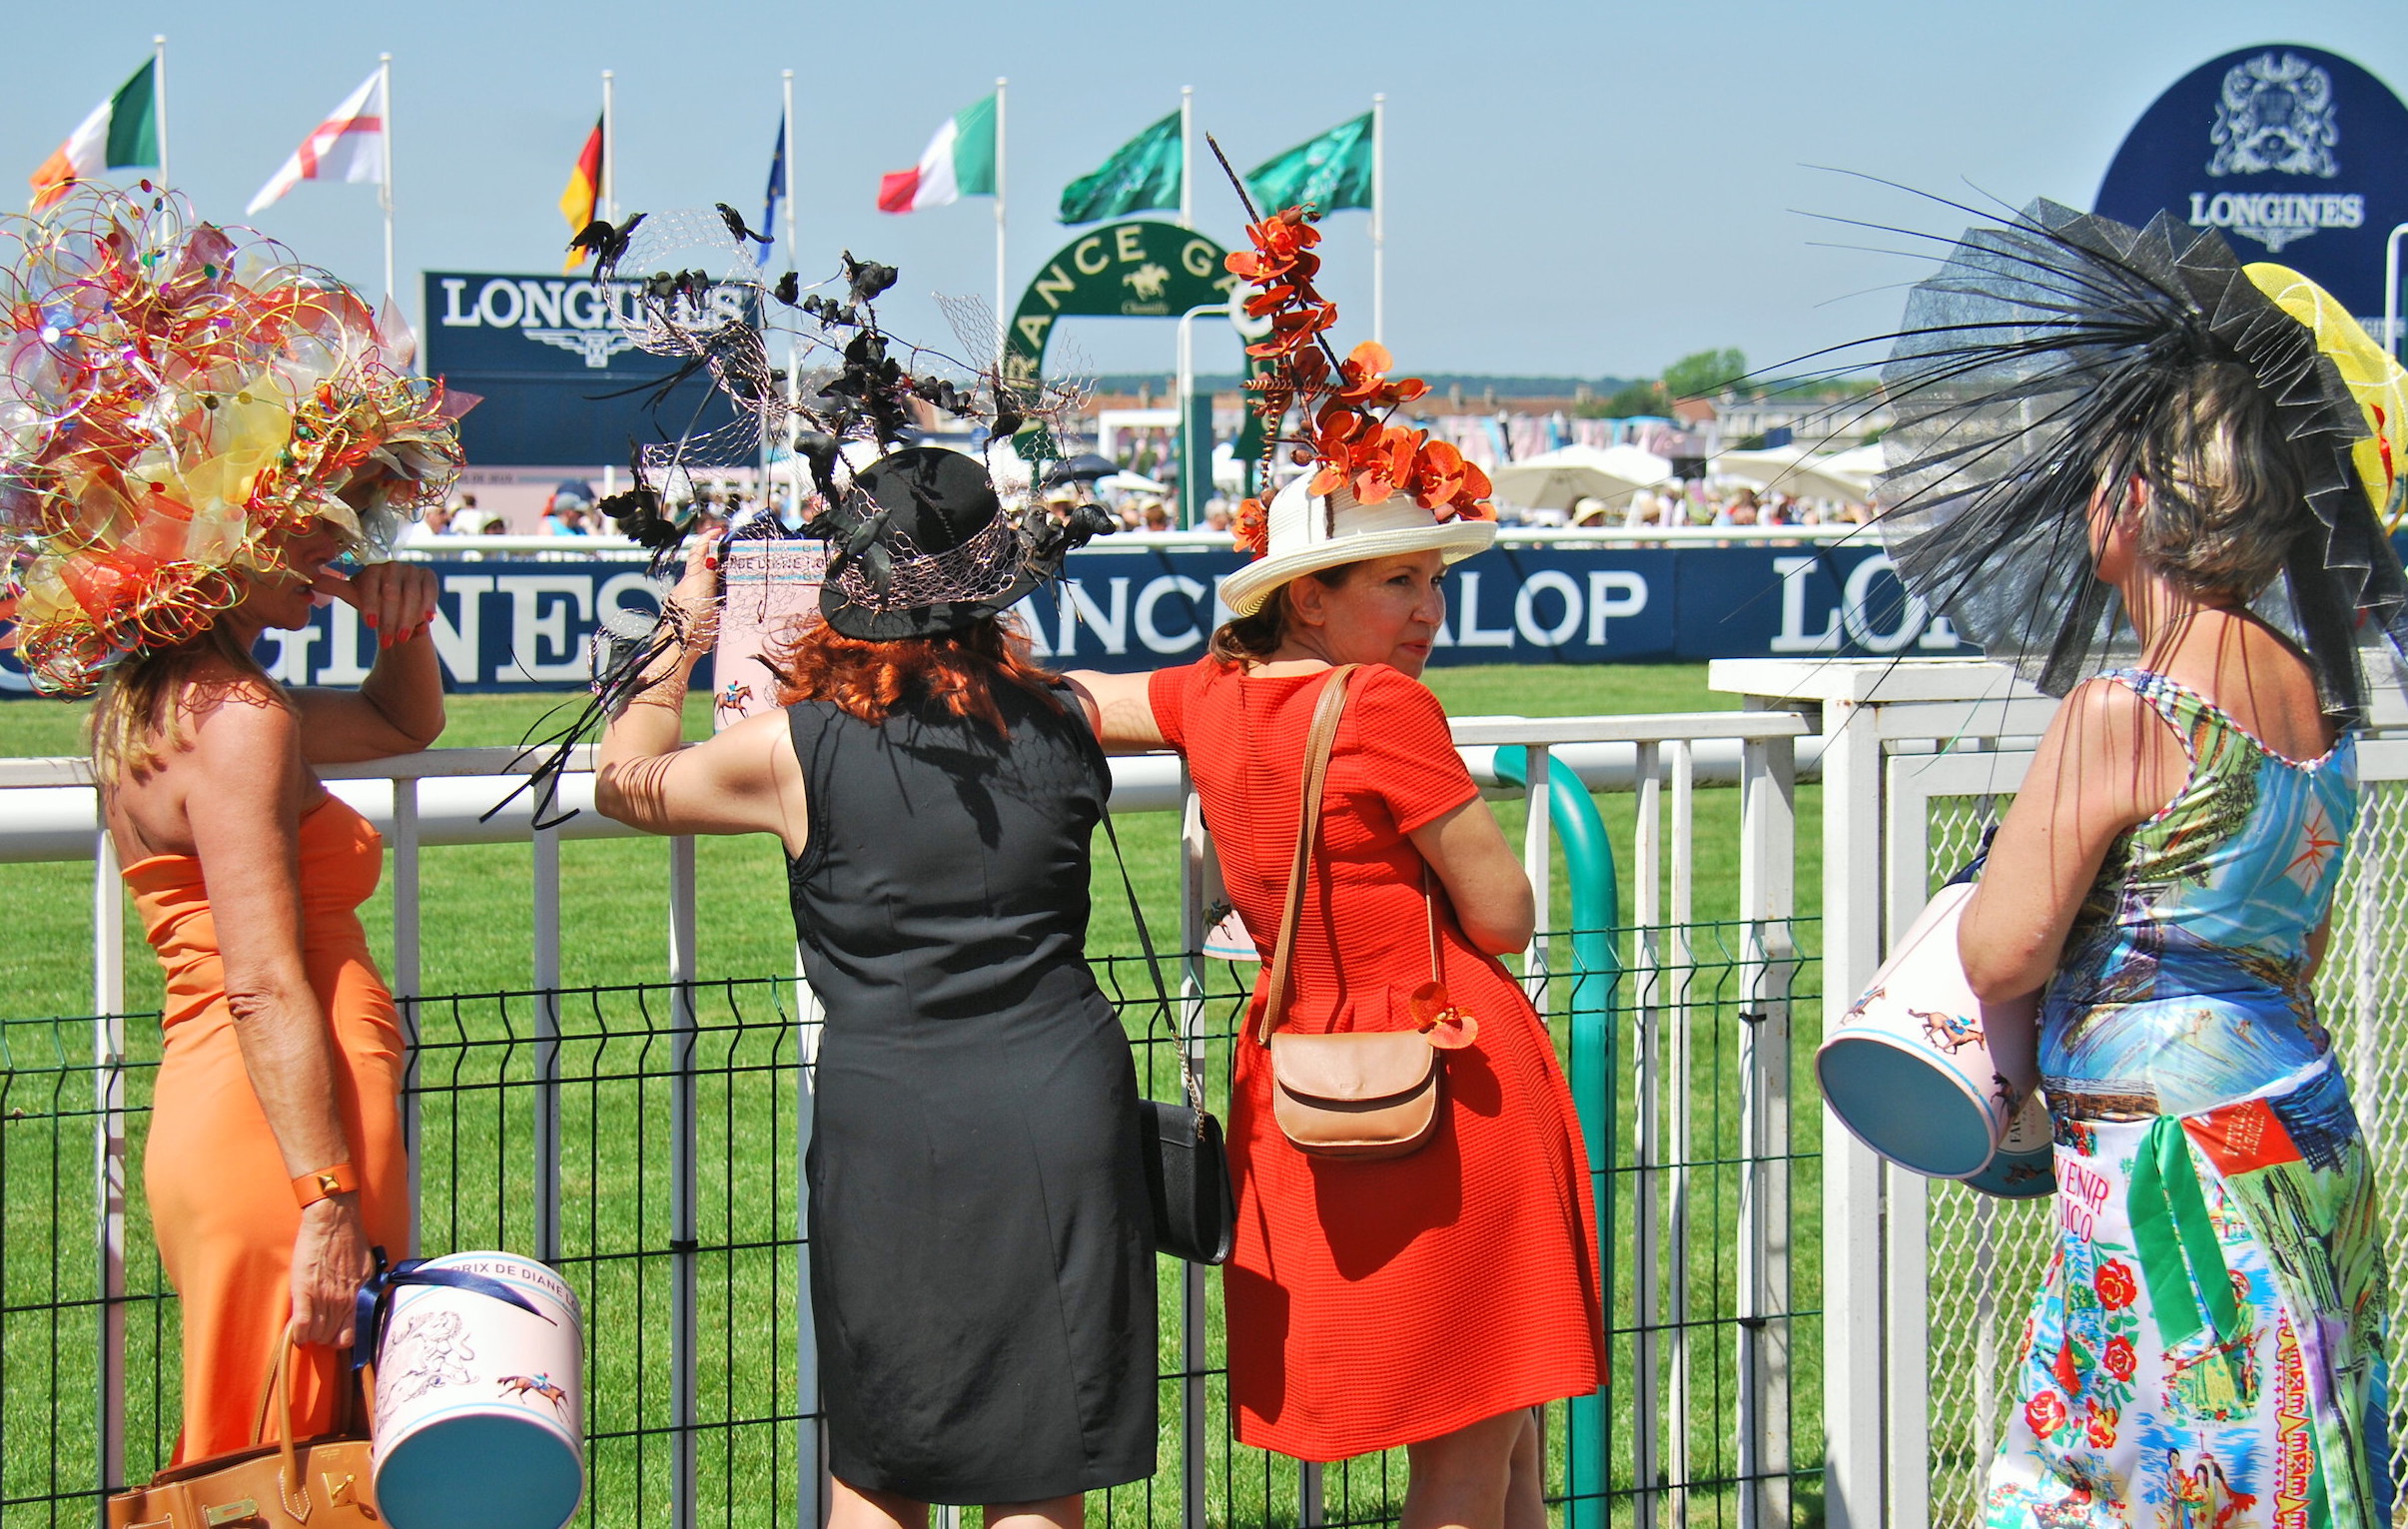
(1698, 503)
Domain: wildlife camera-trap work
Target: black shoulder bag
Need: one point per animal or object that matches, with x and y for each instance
(1186, 1162)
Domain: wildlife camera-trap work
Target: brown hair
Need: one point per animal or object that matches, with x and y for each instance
(2227, 490)
(1242, 640)
(142, 713)
(865, 679)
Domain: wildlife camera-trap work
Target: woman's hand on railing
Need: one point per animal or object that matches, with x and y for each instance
(330, 1263)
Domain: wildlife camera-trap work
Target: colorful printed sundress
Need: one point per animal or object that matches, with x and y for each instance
(2207, 1350)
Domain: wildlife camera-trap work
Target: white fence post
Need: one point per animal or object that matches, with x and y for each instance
(1767, 903)
(1853, 1355)
(1680, 950)
(406, 913)
(108, 1079)
(546, 1017)
(1647, 1088)
(1194, 1333)
(683, 1348)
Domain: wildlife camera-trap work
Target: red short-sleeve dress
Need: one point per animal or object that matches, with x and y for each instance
(1372, 1305)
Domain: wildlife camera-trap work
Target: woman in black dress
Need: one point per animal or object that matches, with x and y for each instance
(982, 1264)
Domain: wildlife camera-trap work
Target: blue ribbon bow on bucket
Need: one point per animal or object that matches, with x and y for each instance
(373, 1306)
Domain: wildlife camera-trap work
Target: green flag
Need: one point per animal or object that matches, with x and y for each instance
(1142, 174)
(1332, 171)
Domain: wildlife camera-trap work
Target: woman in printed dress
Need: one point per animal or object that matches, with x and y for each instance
(2206, 1350)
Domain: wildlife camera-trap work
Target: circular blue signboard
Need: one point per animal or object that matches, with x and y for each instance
(2294, 154)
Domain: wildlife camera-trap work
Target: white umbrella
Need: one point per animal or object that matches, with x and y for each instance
(1861, 464)
(1556, 480)
(1130, 482)
(1789, 469)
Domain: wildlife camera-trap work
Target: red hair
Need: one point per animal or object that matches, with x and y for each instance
(866, 679)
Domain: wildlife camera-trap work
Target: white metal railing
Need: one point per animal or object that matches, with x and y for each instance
(1925, 1284)
(620, 548)
(48, 812)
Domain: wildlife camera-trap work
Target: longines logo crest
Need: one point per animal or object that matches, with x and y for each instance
(596, 345)
(2276, 116)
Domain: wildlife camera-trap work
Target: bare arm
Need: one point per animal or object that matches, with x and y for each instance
(1121, 709)
(745, 780)
(245, 783)
(2106, 763)
(399, 709)
(1483, 876)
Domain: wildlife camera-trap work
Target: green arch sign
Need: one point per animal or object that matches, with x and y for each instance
(1141, 269)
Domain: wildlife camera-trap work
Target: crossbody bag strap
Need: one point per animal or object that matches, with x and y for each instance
(1308, 827)
(1161, 990)
(1429, 905)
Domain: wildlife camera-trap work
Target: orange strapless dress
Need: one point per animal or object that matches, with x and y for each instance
(221, 1201)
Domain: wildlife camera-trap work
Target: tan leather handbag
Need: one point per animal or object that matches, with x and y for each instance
(323, 1483)
(1364, 1095)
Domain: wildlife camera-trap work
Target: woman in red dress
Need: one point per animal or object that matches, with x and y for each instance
(1432, 1300)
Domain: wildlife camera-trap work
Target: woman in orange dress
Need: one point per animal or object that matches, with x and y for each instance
(1431, 1300)
(221, 440)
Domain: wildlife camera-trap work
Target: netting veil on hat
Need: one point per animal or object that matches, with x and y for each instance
(2023, 375)
(175, 401)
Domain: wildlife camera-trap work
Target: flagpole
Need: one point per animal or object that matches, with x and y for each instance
(158, 99)
(787, 154)
(1379, 213)
(1187, 156)
(794, 357)
(384, 191)
(1002, 314)
(609, 155)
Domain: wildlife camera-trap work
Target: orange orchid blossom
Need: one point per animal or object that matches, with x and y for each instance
(1251, 528)
(1351, 437)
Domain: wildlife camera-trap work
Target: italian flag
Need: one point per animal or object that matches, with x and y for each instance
(121, 134)
(959, 161)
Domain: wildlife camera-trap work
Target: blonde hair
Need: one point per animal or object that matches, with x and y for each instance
(2227, 493)
(142, 714)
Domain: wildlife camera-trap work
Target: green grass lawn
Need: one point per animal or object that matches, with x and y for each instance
(617, 1106)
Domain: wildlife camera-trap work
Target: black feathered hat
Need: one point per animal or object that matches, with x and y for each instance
(921, 546)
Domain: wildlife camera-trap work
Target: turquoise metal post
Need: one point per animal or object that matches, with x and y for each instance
(1596, 970)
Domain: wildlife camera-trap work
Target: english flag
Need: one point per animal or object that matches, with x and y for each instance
(348, 146)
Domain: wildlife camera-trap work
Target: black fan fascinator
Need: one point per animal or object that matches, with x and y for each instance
(922, 545)
(2025, 374)
(918, 541)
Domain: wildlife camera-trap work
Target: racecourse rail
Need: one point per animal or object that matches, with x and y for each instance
(1798, 1332)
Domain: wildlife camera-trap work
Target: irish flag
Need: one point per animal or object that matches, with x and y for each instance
(959, 161)
(119, 134)
(348, 146)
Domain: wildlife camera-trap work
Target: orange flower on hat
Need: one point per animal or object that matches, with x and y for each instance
(1251, 528)
(1349, 404)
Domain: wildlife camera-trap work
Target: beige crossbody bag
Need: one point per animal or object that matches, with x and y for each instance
(1364, 1095)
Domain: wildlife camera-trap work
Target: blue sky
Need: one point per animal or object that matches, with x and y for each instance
(1577, 189)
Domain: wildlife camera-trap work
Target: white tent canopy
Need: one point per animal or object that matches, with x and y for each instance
(1789, 469)
(1559, 478)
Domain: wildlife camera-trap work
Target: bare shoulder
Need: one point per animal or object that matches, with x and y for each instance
(2131, 759)
(238, 719)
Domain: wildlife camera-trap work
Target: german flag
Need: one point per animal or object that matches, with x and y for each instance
(578, 202)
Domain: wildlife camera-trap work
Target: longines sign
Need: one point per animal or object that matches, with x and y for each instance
(546, 354)
(2294, 154)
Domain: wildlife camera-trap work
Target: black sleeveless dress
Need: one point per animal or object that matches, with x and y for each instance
(982, 1264)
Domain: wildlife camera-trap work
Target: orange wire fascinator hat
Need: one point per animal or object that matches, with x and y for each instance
(1378, 487)
(175, 401)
